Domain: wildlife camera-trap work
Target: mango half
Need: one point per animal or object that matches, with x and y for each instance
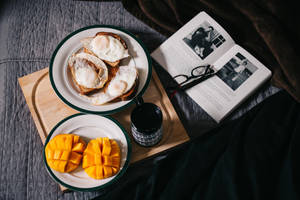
(101, 158)
(64, 152)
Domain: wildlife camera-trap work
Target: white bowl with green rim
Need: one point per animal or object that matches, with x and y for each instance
(88, 127)
(60, 77)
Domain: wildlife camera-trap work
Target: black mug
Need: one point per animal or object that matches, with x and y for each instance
(146, 123)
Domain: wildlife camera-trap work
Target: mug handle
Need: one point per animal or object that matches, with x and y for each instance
(139, 101)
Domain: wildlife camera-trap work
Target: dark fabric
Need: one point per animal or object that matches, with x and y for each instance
(269, 29)
(254, 157)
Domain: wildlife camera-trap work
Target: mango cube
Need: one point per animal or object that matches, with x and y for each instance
(64, 152)
(101, 158)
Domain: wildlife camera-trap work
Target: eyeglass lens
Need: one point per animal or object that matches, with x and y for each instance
(198, 71)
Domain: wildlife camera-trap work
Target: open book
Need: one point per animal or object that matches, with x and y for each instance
(203, 41)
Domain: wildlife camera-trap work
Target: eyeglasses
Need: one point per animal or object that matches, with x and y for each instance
(200, 73)
(197, 72)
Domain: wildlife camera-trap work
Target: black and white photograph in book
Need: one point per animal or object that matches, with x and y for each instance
(204, 40)
(236, 71)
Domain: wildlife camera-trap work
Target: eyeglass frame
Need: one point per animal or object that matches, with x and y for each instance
(208, 71)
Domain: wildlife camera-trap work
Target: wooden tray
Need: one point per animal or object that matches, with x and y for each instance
(47, 110)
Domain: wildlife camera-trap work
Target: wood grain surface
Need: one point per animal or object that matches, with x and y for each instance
(47, 110)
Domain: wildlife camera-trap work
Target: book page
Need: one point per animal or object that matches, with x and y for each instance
(238, 75)
(201, 41)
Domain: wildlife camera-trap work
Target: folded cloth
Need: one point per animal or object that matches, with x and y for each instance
(269, 29)
(253, 157)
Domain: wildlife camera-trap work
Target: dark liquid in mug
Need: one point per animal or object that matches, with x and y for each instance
(147, 118)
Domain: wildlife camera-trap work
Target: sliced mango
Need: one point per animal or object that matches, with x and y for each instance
(64, 152)
(95, 146)
(71, 166)
(76, 139)
(57, 154)
(101, 158)
(75, 158)
(107, 160)
(91, 171)
(79, 147)
(98, 159)
(65, 155)
(107, 171)
(116, 162)
(106, 147)
(88, 160)
(114, 170)
(115, 150)
(99, 172)
(50, 154)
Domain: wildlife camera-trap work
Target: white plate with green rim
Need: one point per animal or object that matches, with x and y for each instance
(60, 78)
(90, 126)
